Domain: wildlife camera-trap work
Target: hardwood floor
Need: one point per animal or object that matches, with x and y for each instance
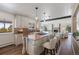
(11, 50)
(66, 47)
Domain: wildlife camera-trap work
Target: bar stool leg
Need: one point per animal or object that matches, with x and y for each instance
(59, 42)
(45, 51)
(51, 52)
(54, 51)
(56, 48)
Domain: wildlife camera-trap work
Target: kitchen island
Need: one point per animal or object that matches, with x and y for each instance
(34, 43)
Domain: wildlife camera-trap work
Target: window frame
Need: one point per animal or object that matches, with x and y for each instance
(4, 23)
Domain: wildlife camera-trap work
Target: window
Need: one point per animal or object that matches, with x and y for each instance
(5, 26)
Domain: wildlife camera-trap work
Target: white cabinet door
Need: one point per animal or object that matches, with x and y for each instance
(18, 39)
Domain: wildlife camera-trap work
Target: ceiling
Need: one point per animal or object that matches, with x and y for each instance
(52, 10)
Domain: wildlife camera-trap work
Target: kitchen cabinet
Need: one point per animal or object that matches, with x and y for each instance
(18, 39)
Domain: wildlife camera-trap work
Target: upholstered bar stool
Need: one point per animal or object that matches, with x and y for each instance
(57, 45)
(58, 41)
(50, 46)
(60, 36)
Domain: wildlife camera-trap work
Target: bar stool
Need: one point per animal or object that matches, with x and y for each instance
(58, 42)
(50, 46)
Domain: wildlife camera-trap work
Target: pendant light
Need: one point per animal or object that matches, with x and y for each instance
(36, 20)
(44, 16)
(36, 17)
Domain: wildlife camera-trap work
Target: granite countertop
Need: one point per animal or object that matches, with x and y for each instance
(36, 36)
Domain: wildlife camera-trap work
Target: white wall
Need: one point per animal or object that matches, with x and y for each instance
(63, 22)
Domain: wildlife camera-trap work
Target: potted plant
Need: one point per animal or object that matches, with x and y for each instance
(68, 28)
(76, 34)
